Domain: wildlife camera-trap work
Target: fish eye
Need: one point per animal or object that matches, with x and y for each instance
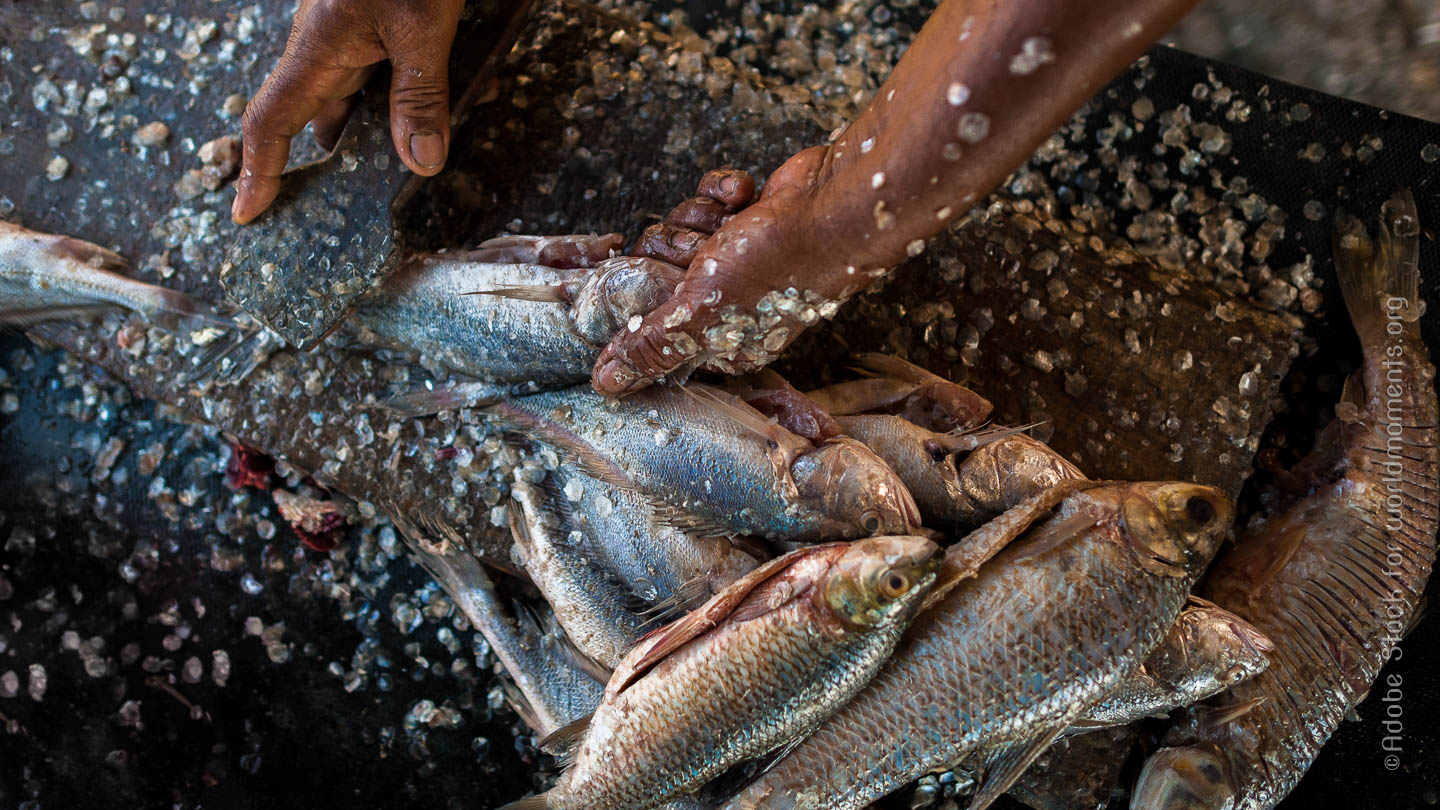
(1199, 510)
(1233, 675)
(870, 522)
(894, 584)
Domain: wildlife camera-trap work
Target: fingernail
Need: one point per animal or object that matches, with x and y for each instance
(428, 148)
(616, 378)
(237, 210)
(730, 184)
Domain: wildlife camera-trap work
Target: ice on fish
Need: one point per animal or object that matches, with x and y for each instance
(662, 566)
(513, 325)
(590, 602)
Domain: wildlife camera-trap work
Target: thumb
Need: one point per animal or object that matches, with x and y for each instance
(420, 96)
(670, 337)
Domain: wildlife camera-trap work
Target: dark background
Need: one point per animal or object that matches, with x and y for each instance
(178, 568)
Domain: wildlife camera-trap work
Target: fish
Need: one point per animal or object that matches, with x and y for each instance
(1015, 655)
(714, 465)
(1333, 578)
(900, 387)
(666, 568)
(506, 327)
(589, 602)
(761, 663)
(1208, 650)
(959, 481)
(45, 277)
(551, 689)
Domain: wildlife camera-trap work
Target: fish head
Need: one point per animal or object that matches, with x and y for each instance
(1223, 636)
(1190, 778)
(1209, 650)
(619, 289)
(881, 579)
(1174, 528)
(844, 480)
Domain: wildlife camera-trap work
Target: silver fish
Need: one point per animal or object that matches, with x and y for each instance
(590, 602)
(714, 464)
(762, 663)
(553, 692)
(959, 481)
(1208, 650)
(47, 277)
(1334, 578)
(510, 323)
(665, 567)
(1014, 656)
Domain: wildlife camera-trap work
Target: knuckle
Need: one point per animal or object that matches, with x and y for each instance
(420, 98)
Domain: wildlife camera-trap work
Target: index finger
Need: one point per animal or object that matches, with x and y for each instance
(295, 92)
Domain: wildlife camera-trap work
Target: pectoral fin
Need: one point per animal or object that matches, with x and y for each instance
(1008, 764)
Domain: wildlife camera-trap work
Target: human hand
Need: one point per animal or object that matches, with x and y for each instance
(750, 288)
(334, 47)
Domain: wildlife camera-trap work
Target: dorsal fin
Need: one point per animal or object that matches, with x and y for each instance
(964, 558)
(539, 293)
(655, 646)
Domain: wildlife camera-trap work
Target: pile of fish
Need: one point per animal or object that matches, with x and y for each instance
(768, 598)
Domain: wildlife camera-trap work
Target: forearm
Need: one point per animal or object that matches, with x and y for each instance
(983, 84)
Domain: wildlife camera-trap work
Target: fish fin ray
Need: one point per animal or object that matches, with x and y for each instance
(567, 736)
(966, 556)
(682, 519)
(1010, 763)
(539, 293)
(591, 461)
(25, 318)
(1372, 271)
(691, 594)
(738, 411)
(449, 396)
(964, 441)
(654, 646)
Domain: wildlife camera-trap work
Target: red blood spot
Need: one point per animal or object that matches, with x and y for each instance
(248, 468)
(327, 537)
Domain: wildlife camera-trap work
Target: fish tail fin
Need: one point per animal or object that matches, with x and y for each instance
(536, 802)
(22, 319)
(541, 293)
(1380, 280)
